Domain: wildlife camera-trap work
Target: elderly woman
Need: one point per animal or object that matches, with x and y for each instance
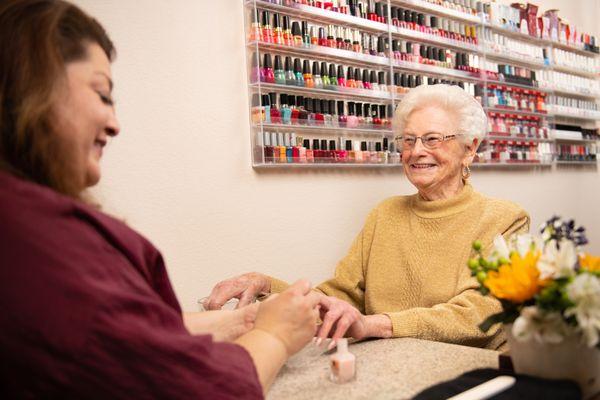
(406, 274)
(87, 307)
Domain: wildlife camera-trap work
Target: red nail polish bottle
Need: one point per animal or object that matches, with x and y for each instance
(331, 36)
(325, 152)
(318, 115)
(288, 38)
(267, 73)
(342, 119)
(275, 113)
(255, 30)
(322, 39)
(340, 76)
(267, 32)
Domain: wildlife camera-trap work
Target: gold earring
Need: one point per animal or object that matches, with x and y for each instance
(466, 172)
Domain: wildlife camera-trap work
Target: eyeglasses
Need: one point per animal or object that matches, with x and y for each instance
(430, 140)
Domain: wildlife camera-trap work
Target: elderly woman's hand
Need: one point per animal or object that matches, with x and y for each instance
(339, 319)
(245, 287)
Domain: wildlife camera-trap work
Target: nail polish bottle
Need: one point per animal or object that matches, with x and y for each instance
(279, 73)
(356, 40)
(286, 111)
(297, 34)
(385, 153)
(267, 31)
(255, 27)
(267, 74)
(397, 88)
(342, 119)
(324, 75)
(358, 79)
(322, 41)
(350, 82)
(310, 158)
(302, 112)
(381, 81)
(266, 104)
(277, 31)
(295, 114)
(290, 78)
(352, 119)
(308, 106)
(365, 80)
(394, 157)
(314, 40)
(330, 36)
(358, 107)
(327, 119)
(325, 152)
(367, 114)
(339, 37)
(358, 155)
(332, 153)
(283, 146)
(340, 75)
(381, 47)
(332, 111)
(275, 146)
(288, 38)
(365, 153)
(347, 39)
(318, 114)
(316, 76)
(307, 75)
(317, 153)
(375, 116)
(267, 148)
(305, 34)
(289, 148)
(333, 80)
(298, 72)
(373, 45)
(275, 112)
(257, 113)
(373, 157)
(382, 116)
(351, 157)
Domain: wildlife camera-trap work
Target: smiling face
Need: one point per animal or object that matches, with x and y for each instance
(85, 116)
(436, 173)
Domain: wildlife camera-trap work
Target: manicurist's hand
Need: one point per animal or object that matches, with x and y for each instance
(245, 287)
(290, 316)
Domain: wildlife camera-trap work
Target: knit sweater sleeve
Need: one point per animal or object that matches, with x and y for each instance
(348, 283)
(457, 320)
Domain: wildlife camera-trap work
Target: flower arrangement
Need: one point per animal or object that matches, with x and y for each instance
(548, 289)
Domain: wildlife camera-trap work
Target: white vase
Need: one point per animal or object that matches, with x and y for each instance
(569, 359)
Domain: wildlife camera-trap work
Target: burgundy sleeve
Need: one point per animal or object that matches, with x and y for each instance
(138, 349)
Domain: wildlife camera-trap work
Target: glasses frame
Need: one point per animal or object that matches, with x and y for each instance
(400, 144)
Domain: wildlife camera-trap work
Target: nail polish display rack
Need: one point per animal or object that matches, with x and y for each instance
(335, 130)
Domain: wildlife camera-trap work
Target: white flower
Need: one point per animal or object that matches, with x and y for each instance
(555, 263)
(524, 243)
(500, 248)
(584, 291)
(544, 327)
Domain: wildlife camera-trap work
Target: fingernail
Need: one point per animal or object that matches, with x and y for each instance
(319, 340)
(331, 345)
(314, 340)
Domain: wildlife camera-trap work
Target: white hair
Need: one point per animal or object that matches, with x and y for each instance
(472, 121)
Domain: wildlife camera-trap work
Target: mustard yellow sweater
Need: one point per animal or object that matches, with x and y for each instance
(410, 262)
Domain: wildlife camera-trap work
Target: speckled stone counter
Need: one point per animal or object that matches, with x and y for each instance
(386, 369)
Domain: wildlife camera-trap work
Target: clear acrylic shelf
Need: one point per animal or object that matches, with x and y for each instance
(340, 129)
(438, 10)
(336, 92)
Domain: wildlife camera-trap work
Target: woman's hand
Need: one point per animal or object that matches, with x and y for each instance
(224, 325)
(340, 319)
(245, 287)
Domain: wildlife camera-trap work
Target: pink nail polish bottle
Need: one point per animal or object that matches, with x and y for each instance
(343, 363)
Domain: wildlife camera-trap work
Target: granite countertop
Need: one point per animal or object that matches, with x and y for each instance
(386, 369)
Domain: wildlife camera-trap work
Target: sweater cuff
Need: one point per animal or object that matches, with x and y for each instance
(278, 286)
(405, 323)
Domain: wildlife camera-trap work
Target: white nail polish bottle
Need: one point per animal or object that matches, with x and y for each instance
(343, 363)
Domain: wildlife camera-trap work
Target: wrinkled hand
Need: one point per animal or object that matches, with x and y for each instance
(245, 287)
(290, 316)
(340, 319)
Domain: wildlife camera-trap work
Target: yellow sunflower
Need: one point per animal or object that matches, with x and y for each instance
(589, 262)
(518, 281)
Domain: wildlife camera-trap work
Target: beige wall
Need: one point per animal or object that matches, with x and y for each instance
(180, 171)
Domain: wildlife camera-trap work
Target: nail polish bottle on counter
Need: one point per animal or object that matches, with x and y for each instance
(288, 38)
(279, 73)
(275, 113)
(277, 31)
(310, 158)
(297, 34)
(342, 119)
(286, 112)
(255, 28)
(298, 72)
(340, 74)
(316, 76)
(267, 32)
(333, 80)
(266, 103)
(352, 120)
(350, 156)
(324, 75)
(267, 74)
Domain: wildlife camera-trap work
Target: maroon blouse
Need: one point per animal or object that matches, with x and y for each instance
(87, 311)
